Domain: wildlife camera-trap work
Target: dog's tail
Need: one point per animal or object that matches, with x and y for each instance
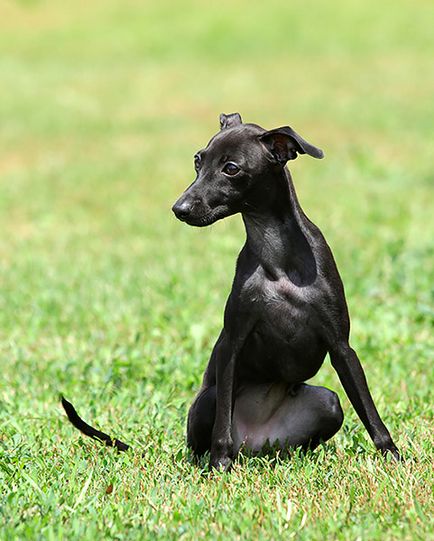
(88, 430)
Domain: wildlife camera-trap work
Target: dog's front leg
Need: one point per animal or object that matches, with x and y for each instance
(221, 441)
(225, 362)
(346, 363)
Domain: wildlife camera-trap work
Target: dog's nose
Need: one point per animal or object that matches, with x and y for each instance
(181, 209)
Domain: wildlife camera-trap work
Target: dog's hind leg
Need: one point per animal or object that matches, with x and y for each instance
(273, 414)
(200, 422)
(284, 416)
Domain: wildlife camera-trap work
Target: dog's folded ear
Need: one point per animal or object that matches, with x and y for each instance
(230, 121)
(284, 144)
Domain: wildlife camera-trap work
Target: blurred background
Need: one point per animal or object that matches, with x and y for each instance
(104, 295)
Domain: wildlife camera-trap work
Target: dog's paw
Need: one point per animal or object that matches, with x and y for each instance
(220, 463)
(391, 452)
(222, 453)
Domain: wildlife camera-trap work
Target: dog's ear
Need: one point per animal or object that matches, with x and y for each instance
(284, 143)
(229, 121)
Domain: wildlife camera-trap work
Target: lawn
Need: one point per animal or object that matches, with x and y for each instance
(109, 300)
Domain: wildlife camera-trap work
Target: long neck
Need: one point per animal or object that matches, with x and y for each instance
(274, 232)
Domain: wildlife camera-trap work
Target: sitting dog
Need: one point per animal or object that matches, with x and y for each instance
(285, 312)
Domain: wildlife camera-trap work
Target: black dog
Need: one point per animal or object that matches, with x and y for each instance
(286, 310)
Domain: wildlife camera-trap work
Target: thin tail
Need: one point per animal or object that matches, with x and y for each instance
(88, 430)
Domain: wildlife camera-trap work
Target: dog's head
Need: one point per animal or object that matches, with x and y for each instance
(232, 166)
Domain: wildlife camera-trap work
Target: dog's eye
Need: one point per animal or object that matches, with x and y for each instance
(197, 162)
(231, 169)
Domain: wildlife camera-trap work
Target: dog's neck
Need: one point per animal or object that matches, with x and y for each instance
(274, 232)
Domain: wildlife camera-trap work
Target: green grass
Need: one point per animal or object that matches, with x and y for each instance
(106, 298)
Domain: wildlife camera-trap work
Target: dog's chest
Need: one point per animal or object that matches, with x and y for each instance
(281, 302)
(284, 343)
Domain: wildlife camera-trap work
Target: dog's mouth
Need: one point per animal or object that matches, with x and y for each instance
(208, 218)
